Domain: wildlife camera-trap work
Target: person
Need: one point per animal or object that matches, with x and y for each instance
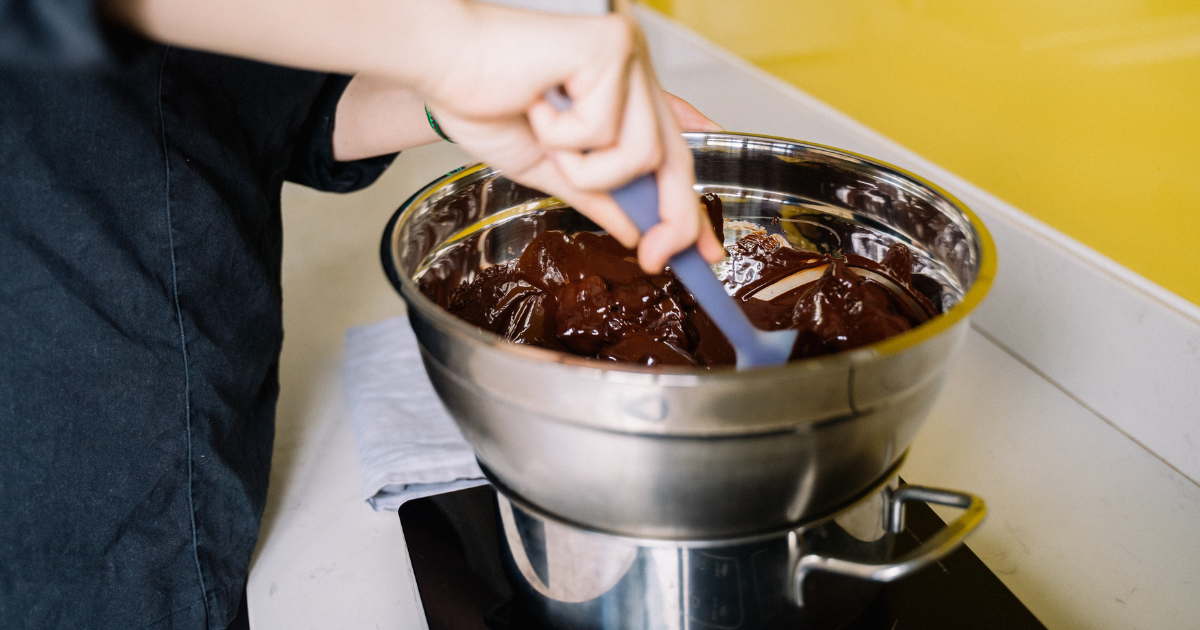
(144, 144)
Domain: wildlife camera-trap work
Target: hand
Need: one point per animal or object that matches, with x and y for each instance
(621, 124)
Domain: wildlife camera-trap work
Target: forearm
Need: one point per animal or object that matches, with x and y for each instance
(376, 117)
(397, 39)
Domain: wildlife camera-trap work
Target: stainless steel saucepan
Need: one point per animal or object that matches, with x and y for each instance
(813, 576)
(675, 453)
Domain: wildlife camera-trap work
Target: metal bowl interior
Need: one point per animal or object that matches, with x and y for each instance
(819, 198)
(691, 452)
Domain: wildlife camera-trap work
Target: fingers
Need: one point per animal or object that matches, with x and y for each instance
(648, 141)
(597, 206)
(668, 238)
(688, 117)
(607, 214)
(510, 145)
(638, 149)
(620, 125)
(710, 247)
(682, 222)
(597, 99)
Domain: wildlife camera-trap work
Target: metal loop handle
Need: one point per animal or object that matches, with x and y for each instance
(931, 550)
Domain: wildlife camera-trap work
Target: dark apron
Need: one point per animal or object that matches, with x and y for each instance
(140, 327)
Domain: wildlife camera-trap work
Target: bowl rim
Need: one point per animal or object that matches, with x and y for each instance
(414, 298)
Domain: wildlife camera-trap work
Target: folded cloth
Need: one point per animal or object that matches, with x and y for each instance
(408, 447)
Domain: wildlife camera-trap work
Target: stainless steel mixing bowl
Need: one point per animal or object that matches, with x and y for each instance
(691, 453)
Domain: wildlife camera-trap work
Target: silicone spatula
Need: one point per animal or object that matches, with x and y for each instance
(754, 347)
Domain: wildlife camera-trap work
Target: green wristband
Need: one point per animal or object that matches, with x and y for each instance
(436, 127)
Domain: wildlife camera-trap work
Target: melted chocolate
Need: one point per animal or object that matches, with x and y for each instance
(586, 294)
(716, 214)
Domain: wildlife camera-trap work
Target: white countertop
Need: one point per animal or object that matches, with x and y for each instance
(1080, 426)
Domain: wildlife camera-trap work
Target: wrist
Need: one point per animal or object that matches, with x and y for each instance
(433, 124)
(377, 116)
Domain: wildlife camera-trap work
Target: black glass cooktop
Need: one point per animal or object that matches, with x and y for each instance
(453, 542)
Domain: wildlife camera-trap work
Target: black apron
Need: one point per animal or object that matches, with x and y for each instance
(140, 325)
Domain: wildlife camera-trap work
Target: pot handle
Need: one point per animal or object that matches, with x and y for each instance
(931, 550)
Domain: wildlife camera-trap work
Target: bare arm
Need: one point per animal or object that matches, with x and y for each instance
(483, 70)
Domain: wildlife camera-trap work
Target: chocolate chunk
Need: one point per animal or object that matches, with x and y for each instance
(844, 311)
(582, 318)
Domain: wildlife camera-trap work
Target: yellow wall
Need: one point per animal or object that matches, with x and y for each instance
(1083, 113)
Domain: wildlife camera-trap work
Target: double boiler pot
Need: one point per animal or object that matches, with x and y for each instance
(641, 463)
(684, 453)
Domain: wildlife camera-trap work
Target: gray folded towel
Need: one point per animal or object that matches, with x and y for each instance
(408, 447)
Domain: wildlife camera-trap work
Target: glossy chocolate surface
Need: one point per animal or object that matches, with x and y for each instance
(585, 294)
